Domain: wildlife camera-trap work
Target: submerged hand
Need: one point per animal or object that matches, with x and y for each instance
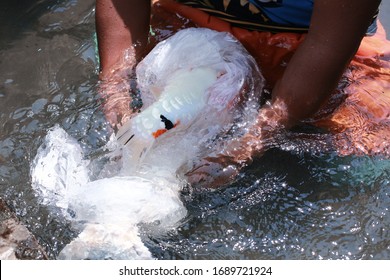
(213, 172)
(116, 106)
(219, 169)
(118, 89)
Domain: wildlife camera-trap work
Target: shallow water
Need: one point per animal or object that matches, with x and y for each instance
(295, 202)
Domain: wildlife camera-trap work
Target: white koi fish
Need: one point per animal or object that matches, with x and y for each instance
(195, 76)
(179, 104)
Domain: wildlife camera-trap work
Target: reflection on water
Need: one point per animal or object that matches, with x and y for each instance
(299, 200)
(289, 206)
(47, 77)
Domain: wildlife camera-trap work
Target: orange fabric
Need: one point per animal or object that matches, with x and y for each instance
(358, 116)
(271, 51)
(361, 124)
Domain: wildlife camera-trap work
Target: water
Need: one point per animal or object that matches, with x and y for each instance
(48, 74)
(298, 201)
(305, 208)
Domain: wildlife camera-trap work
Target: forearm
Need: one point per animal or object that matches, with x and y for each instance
(336, 30)
(122, 28)
(121, 24)
(310, 78)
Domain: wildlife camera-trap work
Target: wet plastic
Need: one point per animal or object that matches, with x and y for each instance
(107, 210)
(197, 76)
(358, 113)
(201, 96)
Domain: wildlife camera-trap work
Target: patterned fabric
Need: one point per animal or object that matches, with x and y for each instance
(263, 15)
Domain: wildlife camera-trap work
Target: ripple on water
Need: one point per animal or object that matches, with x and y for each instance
(268, 214)
(290, 204)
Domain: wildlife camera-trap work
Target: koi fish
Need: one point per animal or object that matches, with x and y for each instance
(197, 74)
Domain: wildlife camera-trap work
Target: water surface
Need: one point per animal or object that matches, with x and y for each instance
(295, 202)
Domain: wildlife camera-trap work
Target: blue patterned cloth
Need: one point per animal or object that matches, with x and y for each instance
(264, 15)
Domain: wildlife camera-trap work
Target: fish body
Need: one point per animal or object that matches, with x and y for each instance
(181, 101)
(194, 79)
(199, 89)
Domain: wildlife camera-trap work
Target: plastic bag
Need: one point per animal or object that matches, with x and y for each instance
(356, 116)
(194, 81)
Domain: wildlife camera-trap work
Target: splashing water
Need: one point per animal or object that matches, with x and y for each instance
(199, 95)
(146, 189)
(298, 201)
(110, 207)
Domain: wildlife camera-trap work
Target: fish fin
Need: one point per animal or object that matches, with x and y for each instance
(136, 145)
(125, 134)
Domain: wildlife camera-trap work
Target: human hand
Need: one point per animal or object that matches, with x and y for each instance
(213, 171)
(218, 169)
(119, 93)
(120, 99)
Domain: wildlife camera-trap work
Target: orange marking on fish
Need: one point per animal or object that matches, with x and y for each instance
(160, 132)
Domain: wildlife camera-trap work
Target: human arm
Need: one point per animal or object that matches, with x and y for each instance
(336, 30)
(311, 76)
(121, 24)
(122, 28)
